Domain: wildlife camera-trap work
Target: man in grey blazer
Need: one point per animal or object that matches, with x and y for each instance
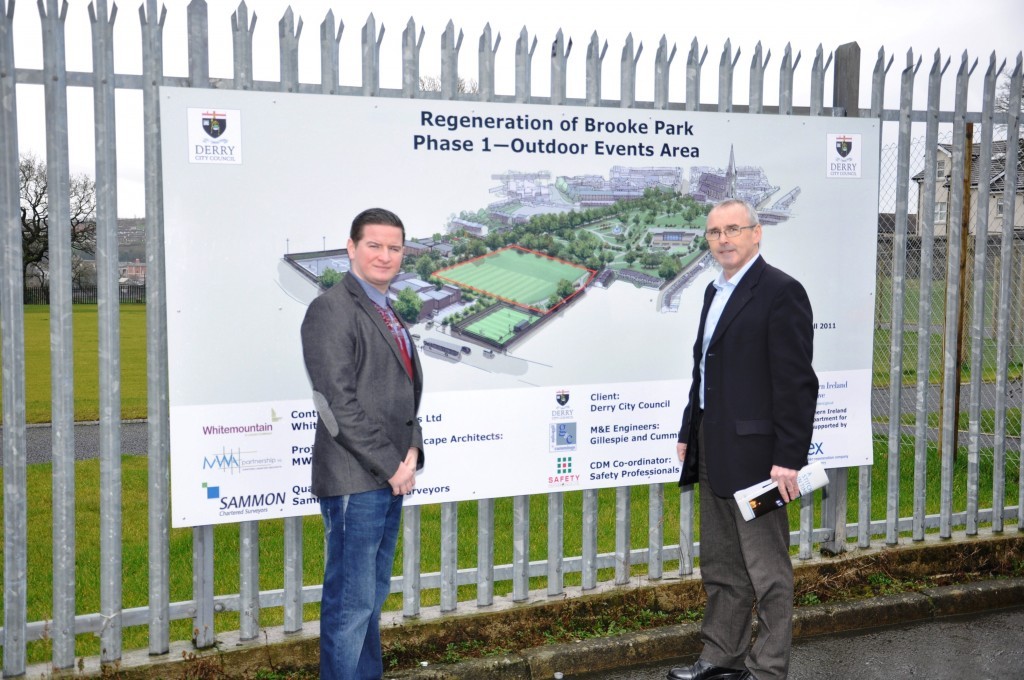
(367, 384)
(750, 417)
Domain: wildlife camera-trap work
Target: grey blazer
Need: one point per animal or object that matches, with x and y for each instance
(365, 399)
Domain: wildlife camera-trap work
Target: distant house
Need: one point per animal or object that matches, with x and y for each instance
(666, 238)
(415, 248)
(996, 183)
(132, 272)
(431, 298)
(887, 224)
(471, 228)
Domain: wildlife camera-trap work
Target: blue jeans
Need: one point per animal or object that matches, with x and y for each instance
(361, 531)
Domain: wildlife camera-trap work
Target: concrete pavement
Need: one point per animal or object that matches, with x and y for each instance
(965, 631)
(985, 645)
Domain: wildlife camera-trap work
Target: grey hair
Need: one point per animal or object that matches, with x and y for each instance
(752, 217)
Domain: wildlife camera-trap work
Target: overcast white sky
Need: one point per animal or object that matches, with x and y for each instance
(979, 27)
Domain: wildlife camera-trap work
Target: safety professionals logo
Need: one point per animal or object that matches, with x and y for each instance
(563, 473)
(843, 155)
(562, 397)
(216, 123)
(215, 136)
(563, 437)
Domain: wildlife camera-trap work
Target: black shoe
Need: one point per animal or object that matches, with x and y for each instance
(702, 670)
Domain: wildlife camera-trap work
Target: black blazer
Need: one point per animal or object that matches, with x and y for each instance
(761, 390)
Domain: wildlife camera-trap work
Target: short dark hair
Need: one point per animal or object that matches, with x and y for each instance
(374, 216)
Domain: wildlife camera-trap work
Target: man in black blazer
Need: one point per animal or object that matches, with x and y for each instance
(367, 384)
(750, 417)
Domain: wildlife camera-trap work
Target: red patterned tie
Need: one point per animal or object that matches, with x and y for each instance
(395, 326)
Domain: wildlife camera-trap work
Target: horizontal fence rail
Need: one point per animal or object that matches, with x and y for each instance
(949, 328)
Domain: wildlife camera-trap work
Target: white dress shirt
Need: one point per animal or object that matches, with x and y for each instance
(723, 291)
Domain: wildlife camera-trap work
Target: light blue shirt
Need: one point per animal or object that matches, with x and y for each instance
(723, 291)
(381, 300)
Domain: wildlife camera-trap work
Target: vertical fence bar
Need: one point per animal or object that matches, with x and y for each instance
(371, 57)
(520, 548)
(248, 580)
(485, 553)
(726, 67)
(289, 32)
(662, 64)
(449, 556)
(758, 64)
(158, 423)
(864, 472)
(845, 102)
(818, 69)
(58, 199)
(595, 55)
(524, 62)
(411, 561)
(108, 311)
(450, 47)
(248, 532)
(1003, 330)
(686, 494)
(411, 59)
(198, 42)
(786, 70)
(655, 496)
(485, 66)
(330, 59)
(926, 222)
(556, 542)
(202, 537)
(589, 547)
(559, 62)
(12, 327)
(241, 41)
(693, 68)
(978, 306)
(623, 533)
(899, 270)
(627, 73)
(951, 360)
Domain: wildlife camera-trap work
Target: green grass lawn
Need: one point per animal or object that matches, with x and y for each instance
(513, 274)
(135, 559)
(84, 320)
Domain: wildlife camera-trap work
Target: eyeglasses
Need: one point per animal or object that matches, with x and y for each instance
(732, 231)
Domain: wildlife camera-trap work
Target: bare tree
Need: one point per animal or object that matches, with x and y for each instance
(1002, 102)
(35, 216)
(433, 84)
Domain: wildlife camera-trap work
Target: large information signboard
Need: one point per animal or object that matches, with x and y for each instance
(556, 258)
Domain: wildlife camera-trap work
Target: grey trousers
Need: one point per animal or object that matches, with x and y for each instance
(744, 566)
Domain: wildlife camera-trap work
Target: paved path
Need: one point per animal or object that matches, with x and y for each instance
(981, 646)
(39, 445)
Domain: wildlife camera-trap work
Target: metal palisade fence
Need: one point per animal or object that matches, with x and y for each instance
(943, 249)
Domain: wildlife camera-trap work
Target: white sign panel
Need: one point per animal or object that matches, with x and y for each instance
(555, 253)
